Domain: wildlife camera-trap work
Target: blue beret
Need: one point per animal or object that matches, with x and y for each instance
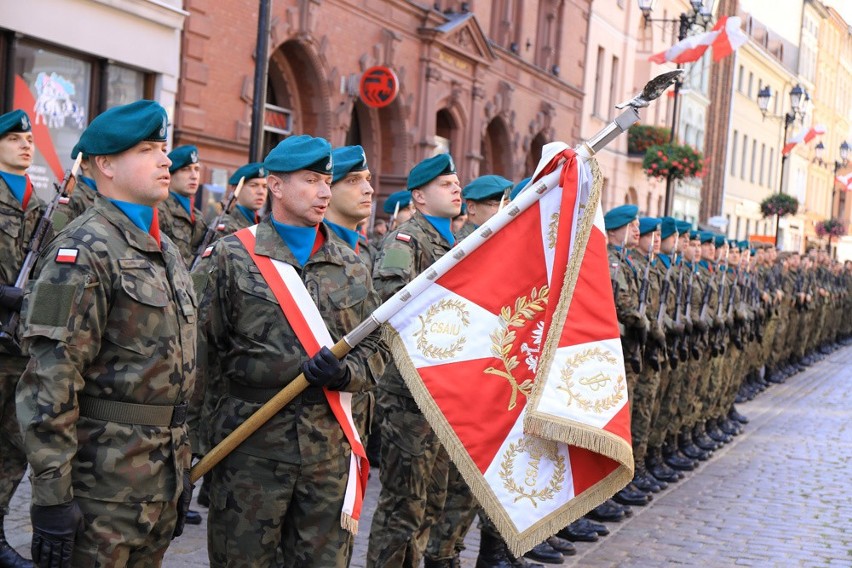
(620, 216)
(648, 224)
(300, 153)
(348, 159)
(706, 237)
(719, 240)
(123, 127)
(751, 251)
(76, 150)
(15, 121)
(429, 169)
(249, 171)
(403, 197)
(520, 185)
(683, 226)
(668, 227)
(486, 187)
(183, 156)
(742, 245)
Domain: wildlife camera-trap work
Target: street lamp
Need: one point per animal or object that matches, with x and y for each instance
(797, 94)
(697, 20)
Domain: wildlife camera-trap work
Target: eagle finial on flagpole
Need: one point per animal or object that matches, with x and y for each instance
(653, 89)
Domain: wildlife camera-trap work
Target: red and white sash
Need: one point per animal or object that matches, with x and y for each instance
(305, 319)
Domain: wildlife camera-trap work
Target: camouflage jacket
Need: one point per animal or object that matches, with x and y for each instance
(249, 351)
(16, 228)
(82, 199)
(406, 251)
(467, 229)
(116, 324)
(626, 279)
(231, 223)
(177, 224)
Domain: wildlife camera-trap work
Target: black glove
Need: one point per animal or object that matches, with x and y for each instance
(325, 370)
(183, 505)
(11, 297)
(55, 529)
(658, 334)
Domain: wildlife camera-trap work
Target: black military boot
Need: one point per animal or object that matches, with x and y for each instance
(675, 459)
(715, 433)
(607, 512)
(631, 495)
(543, 552)
(729, 426)
(492, 552)
(658, 468)
(646, 482)
(9, 557)
(701, 439)
(687, 446)
(437, 563)
(734, 415)
(579, 531)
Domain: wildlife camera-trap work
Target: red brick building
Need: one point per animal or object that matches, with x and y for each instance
(492, 81)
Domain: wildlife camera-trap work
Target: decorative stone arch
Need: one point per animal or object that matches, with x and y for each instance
(541, 132)
(534, 153)
(631, 197)
(450, 122)
(497, 150)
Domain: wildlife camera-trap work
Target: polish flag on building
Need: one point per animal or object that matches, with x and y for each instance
(803, 136)
(845, 181)
(469, 342)
(725, 37)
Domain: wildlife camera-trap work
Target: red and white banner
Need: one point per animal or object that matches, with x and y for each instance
(845, 181)
(469, 346)
(803, 136)
(725, 38)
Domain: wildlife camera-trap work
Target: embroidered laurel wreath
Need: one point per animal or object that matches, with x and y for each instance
(503, 339)
(594, 383)
(537, 449)
(433, 351)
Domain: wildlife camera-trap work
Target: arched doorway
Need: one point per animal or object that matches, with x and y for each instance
(496, 150)
(534, 153)
(445, 131)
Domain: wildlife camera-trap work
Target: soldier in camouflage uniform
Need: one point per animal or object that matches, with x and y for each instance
(252, 198)
(20, 210)
(400, 208)
(82, 198)
(284, 486)
(110, 331)
(412, 456)
(179, 219)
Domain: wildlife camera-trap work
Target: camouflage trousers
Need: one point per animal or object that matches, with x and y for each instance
(124, 534)
(645, 386)
(413, 472)
(261, 509)
(13, 461)
(664, 410)
(447, 535)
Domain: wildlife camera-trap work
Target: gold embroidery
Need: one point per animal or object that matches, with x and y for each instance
(552, 230)
(537, 449)
(599, 383)
(503, 338)
(447, 318)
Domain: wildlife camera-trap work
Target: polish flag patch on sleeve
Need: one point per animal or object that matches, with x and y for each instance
(67, 255)
(220, 227)
(207, 252)
(403, 237)
(64, 200)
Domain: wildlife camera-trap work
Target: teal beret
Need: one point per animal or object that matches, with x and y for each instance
(751, 251)
(683, 226)
(123, 127)
(183, 156)
(648, 224)
(348, 159)
(429, 169)
(249, 171)
(486, 187)
(742, 245)
(15, 121)
(300, 153)
(403, 197)
(719, 240)
(695, 235)
(706, 237)
(76, 150)
(620, 216)
(520, 185)
(668, 227)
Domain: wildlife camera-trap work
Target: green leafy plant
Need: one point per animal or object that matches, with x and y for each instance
(640, 137)
(779, 204)
(675, 161)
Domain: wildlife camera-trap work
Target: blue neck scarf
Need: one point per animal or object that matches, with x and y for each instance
(300, 240)
(442, 225)
(18, 184)
(348, 235)
(140, 215)
(665, 259)
(184, 202)
(90, 182)
(249, 214)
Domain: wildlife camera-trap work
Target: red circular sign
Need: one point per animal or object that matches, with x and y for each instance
(379, 86)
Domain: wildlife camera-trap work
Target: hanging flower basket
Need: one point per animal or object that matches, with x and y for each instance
(830, 228)
(640, 137)
(675, 161)
(779, 204)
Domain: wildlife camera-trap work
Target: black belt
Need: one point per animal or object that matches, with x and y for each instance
(309, 396)
(132, 413)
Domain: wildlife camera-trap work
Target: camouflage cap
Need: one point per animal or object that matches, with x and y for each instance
(249, 171)
(123, 127)
(429, 169)
(486, 187)
(300, 153)
(15, 121)
(183, 156)
(348, 159)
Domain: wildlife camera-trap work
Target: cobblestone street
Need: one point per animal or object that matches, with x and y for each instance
(776, 496)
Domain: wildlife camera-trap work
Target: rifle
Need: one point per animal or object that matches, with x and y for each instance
(213, 228)
(679, 351)
(35, 248)
(734, 332)
(392, 224)
(635, 358)
(652, 352)
(718, 346)
(693, 348)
